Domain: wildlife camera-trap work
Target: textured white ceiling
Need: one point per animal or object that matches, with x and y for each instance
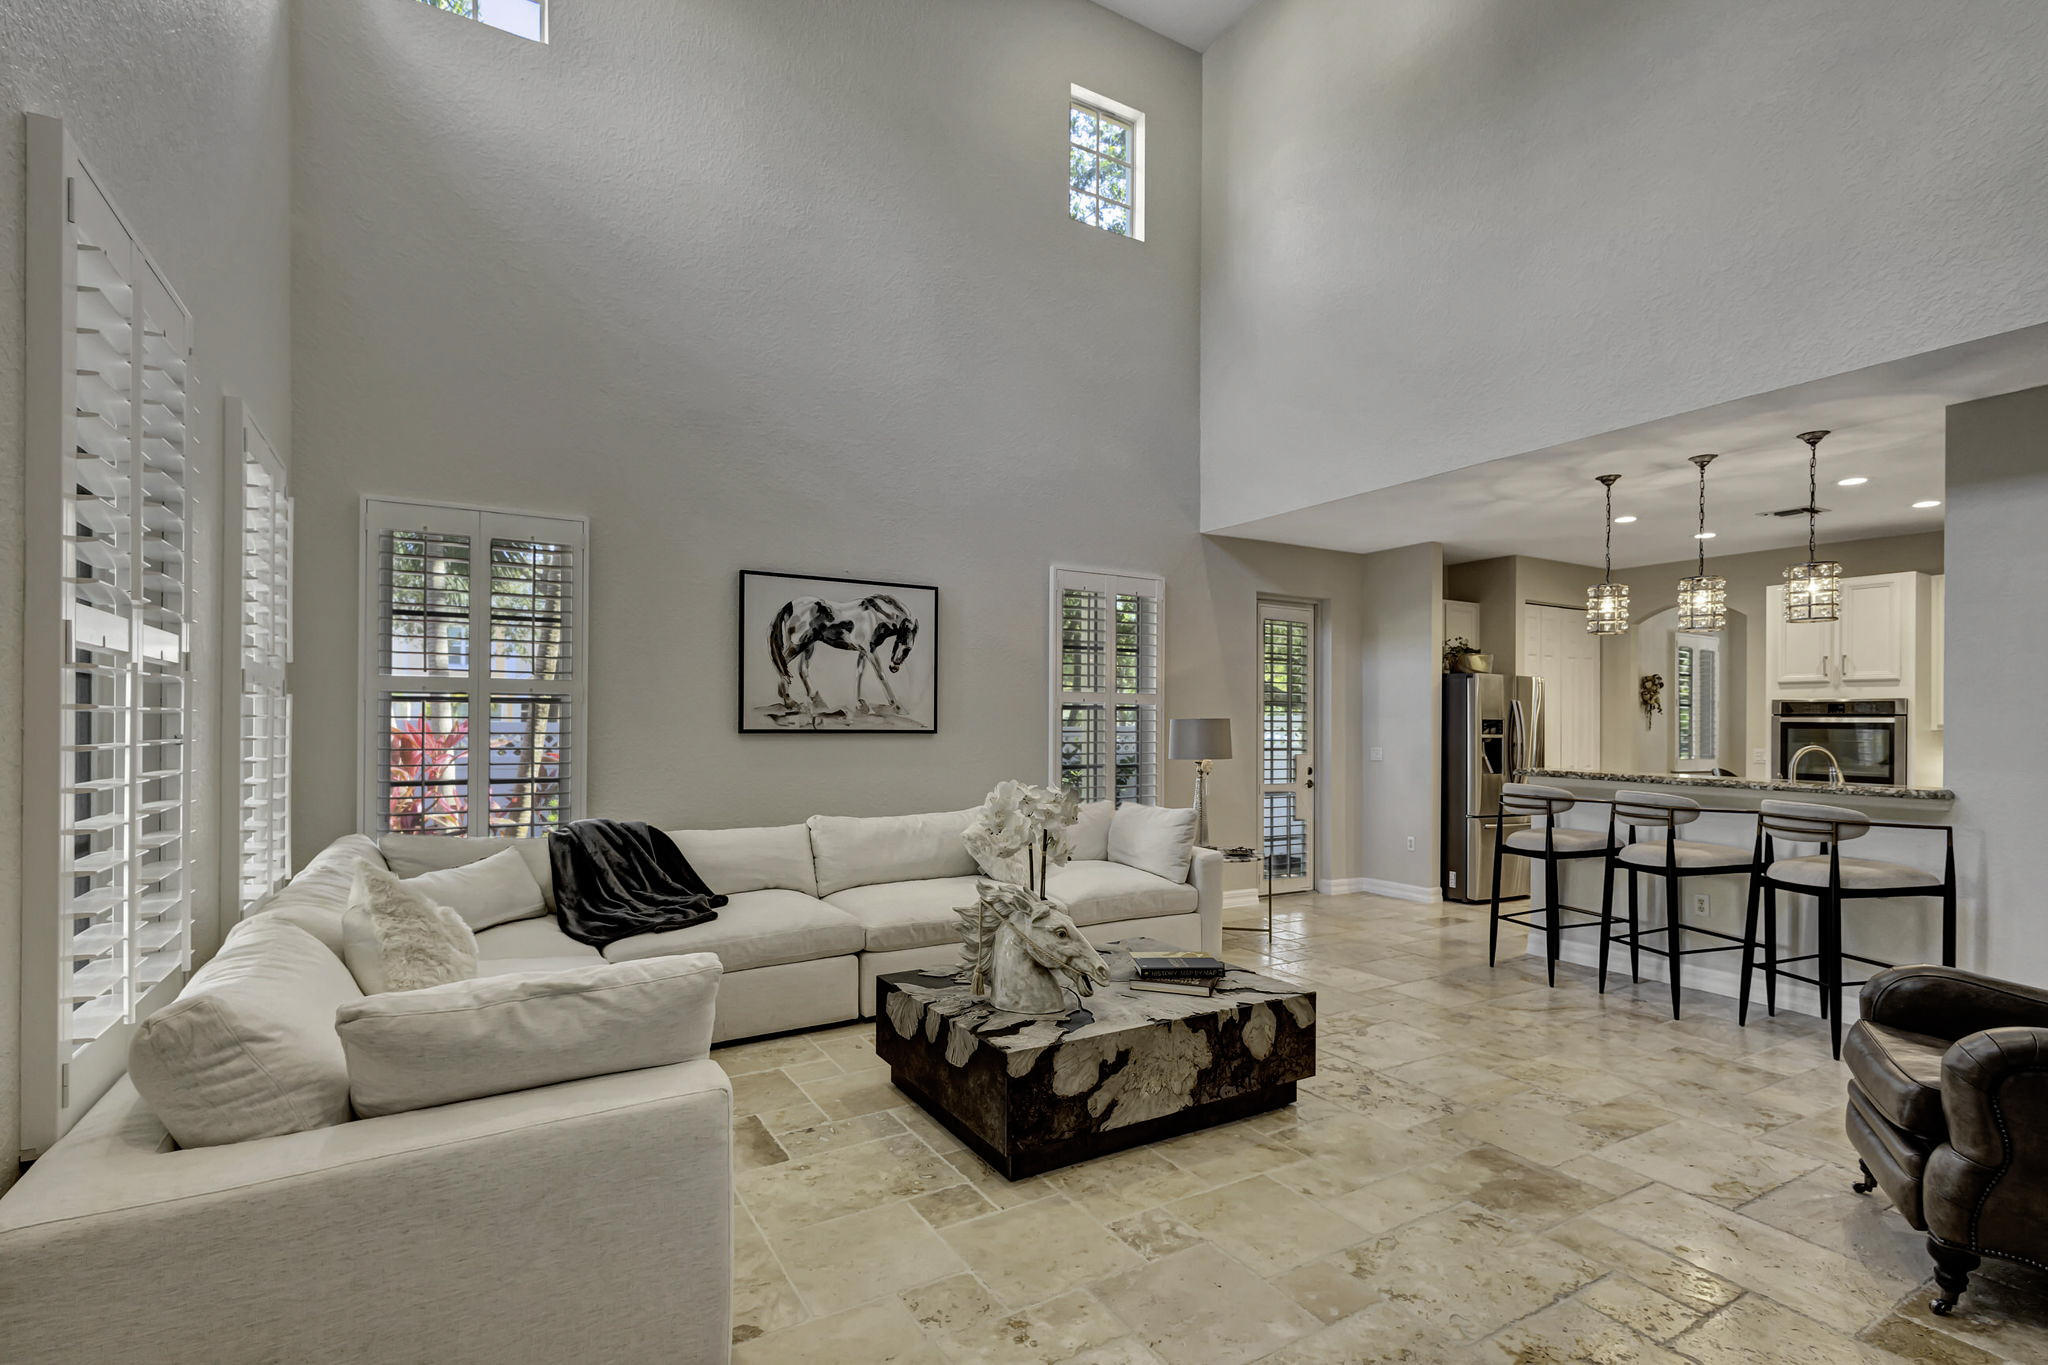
(1192, 23)
(1888, 426)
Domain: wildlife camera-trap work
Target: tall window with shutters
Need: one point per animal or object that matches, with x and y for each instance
(257, 704)
(107, 842)
(1106, 684)
(473, 673)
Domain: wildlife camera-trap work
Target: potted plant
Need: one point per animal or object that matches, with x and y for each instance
(1462, 656)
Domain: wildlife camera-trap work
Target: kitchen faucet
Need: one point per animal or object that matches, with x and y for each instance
(1834, 768)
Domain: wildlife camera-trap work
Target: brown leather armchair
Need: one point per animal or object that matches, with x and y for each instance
(1948, 1107)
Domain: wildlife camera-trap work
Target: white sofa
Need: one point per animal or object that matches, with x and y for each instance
(817, 910)
(584, 1220)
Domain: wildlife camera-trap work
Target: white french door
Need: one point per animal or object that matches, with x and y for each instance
(1287, 774)
(1557, 648)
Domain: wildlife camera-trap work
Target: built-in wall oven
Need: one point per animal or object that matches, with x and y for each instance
(1867, 739)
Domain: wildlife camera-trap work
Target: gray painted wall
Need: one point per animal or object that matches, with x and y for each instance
(1997, 650)
(752, 286)
(182, 106)
(1437, 232)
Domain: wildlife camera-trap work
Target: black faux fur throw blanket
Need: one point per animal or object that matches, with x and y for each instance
(618, 878)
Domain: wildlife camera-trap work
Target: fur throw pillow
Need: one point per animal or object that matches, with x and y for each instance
(395, 939)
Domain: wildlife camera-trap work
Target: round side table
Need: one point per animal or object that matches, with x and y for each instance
(1251, 855)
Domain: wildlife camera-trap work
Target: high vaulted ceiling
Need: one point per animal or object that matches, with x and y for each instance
(1191, 23)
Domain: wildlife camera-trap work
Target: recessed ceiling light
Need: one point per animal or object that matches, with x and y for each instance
(1623, 521)
(1703, 535)
(1858, 481)
(1928, 502)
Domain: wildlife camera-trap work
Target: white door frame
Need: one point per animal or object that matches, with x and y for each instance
(1301, 783)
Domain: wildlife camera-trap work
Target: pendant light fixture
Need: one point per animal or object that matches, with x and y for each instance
(1607, 600)
(1813, 590)
(1702, 600)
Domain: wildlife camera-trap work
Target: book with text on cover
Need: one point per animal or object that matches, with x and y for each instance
(1177, 966)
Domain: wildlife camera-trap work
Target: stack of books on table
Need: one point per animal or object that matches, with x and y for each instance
(1176, 973)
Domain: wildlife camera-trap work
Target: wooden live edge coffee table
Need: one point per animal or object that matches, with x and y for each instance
(1127, 1067)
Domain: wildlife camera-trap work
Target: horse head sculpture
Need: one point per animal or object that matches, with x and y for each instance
(1026, 953)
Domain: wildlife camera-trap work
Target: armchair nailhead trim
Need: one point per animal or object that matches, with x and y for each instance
(2005, 1146)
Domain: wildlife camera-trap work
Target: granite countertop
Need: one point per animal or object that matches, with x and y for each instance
(1816, 790)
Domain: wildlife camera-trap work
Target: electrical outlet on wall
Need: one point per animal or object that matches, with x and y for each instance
(1378, 755)
(1699, 905)
(1758, 757)
(1411, 843)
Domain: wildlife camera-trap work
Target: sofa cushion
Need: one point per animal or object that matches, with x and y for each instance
(248, 1050)
(316, 898)
(1096, 892)
(1090, 834)
(908, 914)
(860, 851)
(415, 1049)
(395, 939)
(411, 855)
(755, 929)
(530, 938)
(1155, 839)
(493, 890)
(764, 858)
(1900, 1073)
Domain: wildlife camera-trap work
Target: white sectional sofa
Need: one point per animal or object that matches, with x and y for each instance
(584, 1220)
(817, 910)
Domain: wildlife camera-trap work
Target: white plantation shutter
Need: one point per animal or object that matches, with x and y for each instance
(258, 576)
(107, 764)
(1106, 684)
(473, 670)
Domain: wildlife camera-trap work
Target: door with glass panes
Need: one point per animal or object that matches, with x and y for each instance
(1287, 774)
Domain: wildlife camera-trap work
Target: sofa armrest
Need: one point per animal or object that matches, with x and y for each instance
(1205, 874)
(585, 1219)
(1944, 1002)
(1994, 1092)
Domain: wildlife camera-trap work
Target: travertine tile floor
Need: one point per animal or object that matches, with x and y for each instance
(1483, 1170)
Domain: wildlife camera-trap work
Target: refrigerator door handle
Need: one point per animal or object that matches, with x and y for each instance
(1517, 737)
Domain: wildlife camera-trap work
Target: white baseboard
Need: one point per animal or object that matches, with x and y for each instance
(1795, 996)
(1400, 891)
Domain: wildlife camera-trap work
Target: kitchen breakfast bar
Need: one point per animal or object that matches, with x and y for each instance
(1907, 834)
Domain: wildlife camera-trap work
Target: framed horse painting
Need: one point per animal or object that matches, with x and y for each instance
(835, 656)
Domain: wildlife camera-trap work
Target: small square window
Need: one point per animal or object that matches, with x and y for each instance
(1104, 164)
(526, 18)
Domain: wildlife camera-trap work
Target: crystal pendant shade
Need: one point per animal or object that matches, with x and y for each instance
(1607, 609)
(1813, 592)
(1607, 601)
(1703, 604)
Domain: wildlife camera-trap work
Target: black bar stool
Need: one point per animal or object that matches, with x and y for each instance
(1549, 845)
(1670, 859)
(1832, 879)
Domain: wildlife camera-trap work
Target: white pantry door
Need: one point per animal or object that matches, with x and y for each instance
(1557, 648)
(1287, 774)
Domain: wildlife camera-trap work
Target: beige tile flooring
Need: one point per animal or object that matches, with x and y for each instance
(1482, 1170)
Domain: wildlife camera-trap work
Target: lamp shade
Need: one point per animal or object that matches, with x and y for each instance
(1208, 737)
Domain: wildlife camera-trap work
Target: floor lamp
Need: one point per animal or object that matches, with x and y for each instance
(1203, 740)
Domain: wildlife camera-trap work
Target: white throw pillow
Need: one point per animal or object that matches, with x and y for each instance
(417, 1049)
(1155, 839)
(493, 890)
(248, 1050)
(394, 939)
(1091, 831)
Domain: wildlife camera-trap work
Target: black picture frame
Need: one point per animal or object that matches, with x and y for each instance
(771, 698)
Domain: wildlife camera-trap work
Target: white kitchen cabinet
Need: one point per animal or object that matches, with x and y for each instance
(1800, 655)
(1872, 651)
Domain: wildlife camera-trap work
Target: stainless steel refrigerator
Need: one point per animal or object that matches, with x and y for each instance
(1493, 728)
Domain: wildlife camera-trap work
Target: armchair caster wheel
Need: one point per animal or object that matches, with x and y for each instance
(1952, 1267)
(1867, 1183)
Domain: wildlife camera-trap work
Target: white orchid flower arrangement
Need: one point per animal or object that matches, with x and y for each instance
(1028, 829)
